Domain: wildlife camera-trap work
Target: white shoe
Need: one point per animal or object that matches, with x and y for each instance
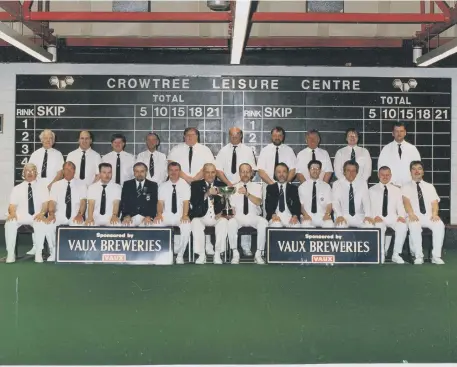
(258, 258)
(201, 260)
(437, 261)
(179, 259)
(235, 257)
(209, 249)
(419, 261)
(38, 258)
(52, 257)
(396, 258)
(10, 258)
(217, 258)
(32, 251)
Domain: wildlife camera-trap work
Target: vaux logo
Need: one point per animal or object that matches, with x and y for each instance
(61, 83)
(404, 87)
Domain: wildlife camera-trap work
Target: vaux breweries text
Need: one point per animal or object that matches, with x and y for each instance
(323, 244)
(119, 244)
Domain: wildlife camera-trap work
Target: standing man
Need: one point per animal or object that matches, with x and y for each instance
(312, 153)
(121, 160)
(282, 202)
(351, 199)
(139, 198)
(421, 204)
(173, 209)
(28, 205)
(103, 197)
(315, 199)
(352, 152)
(154, 160)
(387, 210)
(85, 159)
(206, 210)
(398, 155)
(246, 203)
(67, 204)
(48, 160)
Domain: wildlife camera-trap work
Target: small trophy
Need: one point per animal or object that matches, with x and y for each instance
(226, 192)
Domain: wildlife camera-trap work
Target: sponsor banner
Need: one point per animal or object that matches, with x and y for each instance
(114, 245)
(323, 246)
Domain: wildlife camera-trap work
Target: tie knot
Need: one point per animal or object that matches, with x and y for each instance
(118, 154)
(84, 152)
(30, 184)
(417, 183)
(174, 186)
(312, 150)
(68, 183)
(104, 186)
(314, 183)
(235, 146)
(277, 148)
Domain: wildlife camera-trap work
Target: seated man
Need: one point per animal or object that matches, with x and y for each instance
(315, 199)
(67, 204)
(282, 202)
(173, 208)
(421, 204)
(206, 209)
(246, 203)
(103, 197)
(28, 205)
(139, 198)
(387, 210)
(351, 199)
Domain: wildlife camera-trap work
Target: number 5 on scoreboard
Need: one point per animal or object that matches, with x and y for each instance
(372, 114)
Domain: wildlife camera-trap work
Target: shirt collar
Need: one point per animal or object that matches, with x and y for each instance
(87, 151)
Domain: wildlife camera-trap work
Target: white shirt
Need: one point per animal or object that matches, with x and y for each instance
(323, 196)
(166, 192)
(19, 197)
(362, 157)
(59, 192)
(267, 158)
(127, 162)
(160, 165)
(286, 211)
(389, 157)
(113, 192)
(409, 190)
(237, 199)
(201, 155)
(395, 206)
(306, 155)
(54, 165)
(93, 159)
(340, 198)
(244, 154)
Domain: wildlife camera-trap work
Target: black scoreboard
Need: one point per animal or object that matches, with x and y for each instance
(137, 104)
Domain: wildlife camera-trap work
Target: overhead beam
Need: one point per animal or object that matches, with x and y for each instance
(431, 31)
(240, 26)
(444, 7)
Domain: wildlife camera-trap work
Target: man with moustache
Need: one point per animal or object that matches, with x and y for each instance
(120, 160)
(154, 160)
(139, 199)
(173, 209)
(422, 205)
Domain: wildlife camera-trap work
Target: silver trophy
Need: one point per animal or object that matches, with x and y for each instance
(226, 192)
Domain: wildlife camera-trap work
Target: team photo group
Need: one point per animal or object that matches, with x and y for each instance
(187, 189)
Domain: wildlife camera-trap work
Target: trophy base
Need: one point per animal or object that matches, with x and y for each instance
(227, 212)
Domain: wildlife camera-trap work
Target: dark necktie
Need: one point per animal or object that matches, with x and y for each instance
(234, 160)
(276, 162)
(191, 152)
(351, 200)
(45, 164)
(68, 202)
(103, 201)
(174, 201)
(118, 169)
(282, 206)
(314, 155)
(139, 190)
(353, 155)
(399, 150)
(246, 202)
(82, 168)
(30, 200)
(151, 165)
(385, 201)
(314, 202)
(421, 199)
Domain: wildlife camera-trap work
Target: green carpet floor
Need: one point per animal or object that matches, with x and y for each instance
(105, 314)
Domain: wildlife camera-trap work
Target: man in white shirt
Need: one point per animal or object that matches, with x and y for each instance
(67, 204)
(421, 204)
(311, 153)
(387, 210)
(85, 159)
(48, 160)
(398, 155)
(173, 209)
(246, 203)
(352, 152)
(154, 160)
(28, 205)
(121, 161)
(351, 199)
(103, 198)
(315, 199)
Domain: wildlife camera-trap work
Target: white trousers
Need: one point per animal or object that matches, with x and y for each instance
(61, 220)
(103, 220)
(40, 230)
(415, 229)
(181, 241)
(198, 231)
(241, 220)
(284, 221)
(401, 230)
(317, 221)
(354, 221)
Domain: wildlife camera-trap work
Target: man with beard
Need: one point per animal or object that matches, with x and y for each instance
(154, 160)
(120, 160)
